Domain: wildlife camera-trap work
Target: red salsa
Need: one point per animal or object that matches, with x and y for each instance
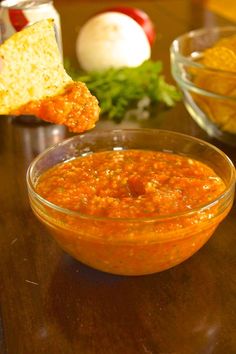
(75, 107)
(127, 191)
(130, 183)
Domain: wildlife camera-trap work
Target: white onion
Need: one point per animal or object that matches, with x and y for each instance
(111, 39)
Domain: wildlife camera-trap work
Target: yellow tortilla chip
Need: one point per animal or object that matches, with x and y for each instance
(228, 42)
(32, 66)
(220, 81)
(221, 58)
(33, 81)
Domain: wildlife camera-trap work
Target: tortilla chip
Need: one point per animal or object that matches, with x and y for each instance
(33, 80)
(228, 42)
(221, 58)
(221, 80)
(32, 66)
(215, 82)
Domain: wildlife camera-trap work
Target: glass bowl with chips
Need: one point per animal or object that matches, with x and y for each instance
(203, 63)
(132, 201)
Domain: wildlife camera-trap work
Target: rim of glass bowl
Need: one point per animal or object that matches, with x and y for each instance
(226, 195)
(176, 57)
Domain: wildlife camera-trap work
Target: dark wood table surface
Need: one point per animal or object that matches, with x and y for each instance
(51, 303)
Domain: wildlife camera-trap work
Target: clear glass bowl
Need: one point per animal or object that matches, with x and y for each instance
(209, 94)
(132, 246)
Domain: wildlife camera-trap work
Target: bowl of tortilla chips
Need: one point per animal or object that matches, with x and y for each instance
(203, 63)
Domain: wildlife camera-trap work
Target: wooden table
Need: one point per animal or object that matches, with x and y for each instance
(52, 304)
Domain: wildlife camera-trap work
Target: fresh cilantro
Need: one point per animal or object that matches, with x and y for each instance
(119, 89)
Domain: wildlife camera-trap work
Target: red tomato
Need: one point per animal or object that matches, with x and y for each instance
(140, 17)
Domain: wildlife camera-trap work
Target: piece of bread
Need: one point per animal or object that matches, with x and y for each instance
(33, 76)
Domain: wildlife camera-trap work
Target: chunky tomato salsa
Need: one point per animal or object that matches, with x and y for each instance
(75, 107)
(138, 185)
(130, 183)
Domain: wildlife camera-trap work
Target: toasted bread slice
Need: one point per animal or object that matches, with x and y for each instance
(33, 77)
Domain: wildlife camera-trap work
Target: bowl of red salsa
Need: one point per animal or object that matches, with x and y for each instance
(131, 202)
